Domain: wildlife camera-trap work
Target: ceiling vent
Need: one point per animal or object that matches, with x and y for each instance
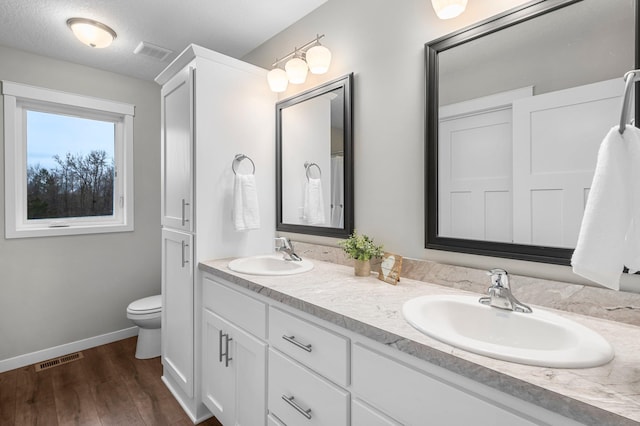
(152, 51)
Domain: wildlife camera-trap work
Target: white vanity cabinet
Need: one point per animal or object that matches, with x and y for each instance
(178, 309)
(233, 359)
(414, 397)
(321, 374)
(177, 151)
(213, 107)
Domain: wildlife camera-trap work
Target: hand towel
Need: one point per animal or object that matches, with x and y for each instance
(313, 202)
(610, 231)
(246, 214)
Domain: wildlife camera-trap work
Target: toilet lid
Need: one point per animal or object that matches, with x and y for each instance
(145, 305)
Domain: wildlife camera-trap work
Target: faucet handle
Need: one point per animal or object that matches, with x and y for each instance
(283, 243)
(499, 278)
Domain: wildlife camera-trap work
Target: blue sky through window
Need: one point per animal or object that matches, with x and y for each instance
(50, 134)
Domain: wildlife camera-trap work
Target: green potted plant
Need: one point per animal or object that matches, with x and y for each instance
(362, 249)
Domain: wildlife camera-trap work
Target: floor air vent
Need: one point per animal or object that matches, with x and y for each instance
(44, 365)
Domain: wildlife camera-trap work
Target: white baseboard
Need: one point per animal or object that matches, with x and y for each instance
(56, 351)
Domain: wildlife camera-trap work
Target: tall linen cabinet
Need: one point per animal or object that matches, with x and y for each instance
(213, 107)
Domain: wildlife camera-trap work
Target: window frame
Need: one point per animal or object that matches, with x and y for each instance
(20, 98)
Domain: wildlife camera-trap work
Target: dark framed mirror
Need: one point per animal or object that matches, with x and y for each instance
(516, 107)
(314, 160)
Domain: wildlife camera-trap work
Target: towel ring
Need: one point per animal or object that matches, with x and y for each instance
(238, 159)
(629, 78)
(308, 165)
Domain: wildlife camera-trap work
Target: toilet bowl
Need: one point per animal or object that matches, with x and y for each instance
(146, 314)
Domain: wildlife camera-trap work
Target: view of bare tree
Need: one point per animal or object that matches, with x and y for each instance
(77, 186)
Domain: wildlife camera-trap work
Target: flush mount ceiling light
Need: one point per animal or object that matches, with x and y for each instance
(447, 9)
(92, 33)
(312, 56)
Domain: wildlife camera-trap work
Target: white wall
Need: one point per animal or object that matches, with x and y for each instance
(382, 42)
(58, 290)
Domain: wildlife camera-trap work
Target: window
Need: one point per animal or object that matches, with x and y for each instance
(68, 163)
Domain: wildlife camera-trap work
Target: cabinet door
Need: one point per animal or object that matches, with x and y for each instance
(177, 308)
(177, 151)
(234, 373)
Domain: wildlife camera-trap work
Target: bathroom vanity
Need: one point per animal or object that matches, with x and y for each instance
(327, 348)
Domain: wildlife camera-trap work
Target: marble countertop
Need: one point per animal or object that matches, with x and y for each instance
(606, 395)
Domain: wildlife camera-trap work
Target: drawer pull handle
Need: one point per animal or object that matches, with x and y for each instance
(292, 339)
(290, 400)
(184, 216)
(224, 354)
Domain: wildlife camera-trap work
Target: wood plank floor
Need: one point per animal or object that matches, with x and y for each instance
(109, 386)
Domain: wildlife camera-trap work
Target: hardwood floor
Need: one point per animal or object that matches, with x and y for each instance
(109, 386)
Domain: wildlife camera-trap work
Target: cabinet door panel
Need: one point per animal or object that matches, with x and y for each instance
(234, 373)
(416, 398)
(177, 152)
(177, 308)
(219, 385)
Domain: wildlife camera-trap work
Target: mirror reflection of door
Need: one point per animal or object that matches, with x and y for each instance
(521, 112)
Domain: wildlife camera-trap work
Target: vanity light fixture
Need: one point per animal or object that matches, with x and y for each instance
(277, 79)
(447, 9)
(296, 69)
(312, 56)
(92, 33)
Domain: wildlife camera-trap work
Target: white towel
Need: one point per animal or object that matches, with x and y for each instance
(313, 202)
(610, 232)
(246, 214)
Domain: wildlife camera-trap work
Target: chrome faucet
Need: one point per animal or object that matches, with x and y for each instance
(284, 245)
(500, 295)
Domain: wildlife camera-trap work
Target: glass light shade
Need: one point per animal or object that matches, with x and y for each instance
(277, 79)
(91, 33)
(318, 59)
(296, 70)
(447, 9)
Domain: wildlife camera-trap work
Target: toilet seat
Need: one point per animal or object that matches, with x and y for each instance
(145, 306)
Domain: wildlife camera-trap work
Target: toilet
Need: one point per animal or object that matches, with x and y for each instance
(146, 313)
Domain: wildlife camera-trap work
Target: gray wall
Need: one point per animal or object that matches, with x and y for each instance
(382, 42)
(57, 290)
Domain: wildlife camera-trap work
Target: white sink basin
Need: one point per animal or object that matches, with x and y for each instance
(269, 264)
(540, 338)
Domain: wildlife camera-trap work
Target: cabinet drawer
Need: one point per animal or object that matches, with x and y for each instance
(272, 421)
(318, 348)
(244, 311)
(297, 396)
(414, 397)
(364, 415)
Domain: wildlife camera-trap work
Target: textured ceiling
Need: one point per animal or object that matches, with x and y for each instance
(232, 27)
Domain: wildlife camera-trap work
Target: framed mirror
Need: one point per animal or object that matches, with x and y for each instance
(517, 106)
(314, 160)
